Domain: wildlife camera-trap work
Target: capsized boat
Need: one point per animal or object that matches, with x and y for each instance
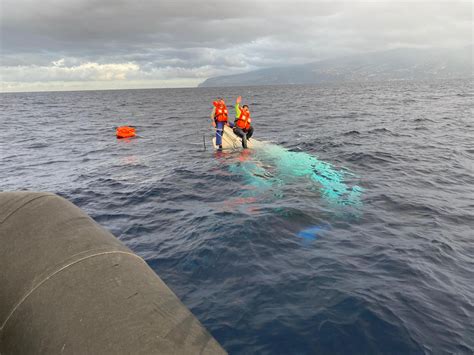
(230, 141)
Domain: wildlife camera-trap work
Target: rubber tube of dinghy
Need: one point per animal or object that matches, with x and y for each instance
(69, 286)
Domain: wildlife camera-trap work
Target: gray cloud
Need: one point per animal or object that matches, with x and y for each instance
(196, 39)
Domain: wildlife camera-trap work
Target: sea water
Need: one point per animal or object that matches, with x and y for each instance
(348, 231)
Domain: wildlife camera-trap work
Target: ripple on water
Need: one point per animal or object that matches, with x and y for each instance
(278, 251)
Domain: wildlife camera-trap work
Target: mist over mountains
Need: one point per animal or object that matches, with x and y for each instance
(396, 64)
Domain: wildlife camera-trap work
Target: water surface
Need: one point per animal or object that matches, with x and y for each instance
(349, 231)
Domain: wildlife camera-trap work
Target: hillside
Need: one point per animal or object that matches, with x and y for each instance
(397, 64)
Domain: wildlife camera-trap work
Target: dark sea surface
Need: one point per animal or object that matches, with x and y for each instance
(349, 231)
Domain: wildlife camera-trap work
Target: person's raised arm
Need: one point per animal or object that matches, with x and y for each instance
(237, 106)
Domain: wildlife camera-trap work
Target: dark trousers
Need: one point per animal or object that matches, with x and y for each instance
(219, 132)
(244, 134)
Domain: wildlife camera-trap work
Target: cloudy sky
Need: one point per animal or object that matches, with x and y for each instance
(112, 44)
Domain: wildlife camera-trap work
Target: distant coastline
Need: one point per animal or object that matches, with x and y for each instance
(392, 65)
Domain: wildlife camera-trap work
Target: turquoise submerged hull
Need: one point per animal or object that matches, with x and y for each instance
(269, 167)
(271, 174)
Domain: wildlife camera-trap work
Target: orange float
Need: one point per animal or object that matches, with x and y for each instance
(125, 132)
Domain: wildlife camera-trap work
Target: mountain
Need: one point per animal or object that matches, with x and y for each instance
(396, 64)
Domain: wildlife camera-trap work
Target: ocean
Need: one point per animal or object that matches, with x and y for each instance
(349, 230)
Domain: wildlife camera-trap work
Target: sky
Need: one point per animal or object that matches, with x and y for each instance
(118, 44)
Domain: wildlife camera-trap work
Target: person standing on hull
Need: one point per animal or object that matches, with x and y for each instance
(242, 123)
(219, 118)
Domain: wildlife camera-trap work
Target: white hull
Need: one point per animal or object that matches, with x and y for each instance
(232, 142)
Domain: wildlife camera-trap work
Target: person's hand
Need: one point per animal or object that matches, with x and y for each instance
(239, 100)
(213, 124)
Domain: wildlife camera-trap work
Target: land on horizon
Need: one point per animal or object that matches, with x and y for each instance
(396, 64)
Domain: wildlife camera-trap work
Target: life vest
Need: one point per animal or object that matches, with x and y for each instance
(221, 112)
(125, 132)
(244, 120)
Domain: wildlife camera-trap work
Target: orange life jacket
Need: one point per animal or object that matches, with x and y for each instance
(125, 132)
(221, 113)
(244, 120)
